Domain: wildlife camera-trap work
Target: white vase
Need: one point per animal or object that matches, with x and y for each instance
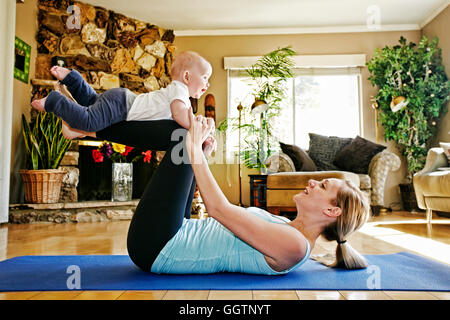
(122, 182)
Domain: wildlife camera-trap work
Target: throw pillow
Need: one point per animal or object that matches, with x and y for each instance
(356, 156)
(323, 149)
(299, 157)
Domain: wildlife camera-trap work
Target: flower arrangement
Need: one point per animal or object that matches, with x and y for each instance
(118, 153)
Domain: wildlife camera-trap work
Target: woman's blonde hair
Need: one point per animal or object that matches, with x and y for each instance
(355, 212)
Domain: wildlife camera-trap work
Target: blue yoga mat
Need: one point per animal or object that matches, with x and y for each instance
(400, 271)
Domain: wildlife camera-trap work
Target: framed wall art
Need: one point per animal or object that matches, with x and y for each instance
(22, 60)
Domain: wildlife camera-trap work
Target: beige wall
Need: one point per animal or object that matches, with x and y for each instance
(26, 28)
(214, 48)
(440, 27)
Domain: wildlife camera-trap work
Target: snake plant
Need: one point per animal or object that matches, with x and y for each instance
(44, 142)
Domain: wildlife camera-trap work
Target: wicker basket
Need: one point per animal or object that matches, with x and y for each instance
(42, 186)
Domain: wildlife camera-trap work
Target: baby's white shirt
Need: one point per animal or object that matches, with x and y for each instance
(155, 105)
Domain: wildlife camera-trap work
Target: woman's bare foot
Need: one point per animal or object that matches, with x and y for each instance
(39, 104)
(59, 72)
(70, 133)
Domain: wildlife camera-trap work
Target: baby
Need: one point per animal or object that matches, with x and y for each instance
(93, 112)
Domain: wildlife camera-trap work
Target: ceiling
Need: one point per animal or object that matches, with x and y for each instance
(203, 17)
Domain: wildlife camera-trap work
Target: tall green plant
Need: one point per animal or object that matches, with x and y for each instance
(45, 144)
(416, 73)
(269, 74)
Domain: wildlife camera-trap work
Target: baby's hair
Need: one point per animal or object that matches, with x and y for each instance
(184, 61)
(355, 212)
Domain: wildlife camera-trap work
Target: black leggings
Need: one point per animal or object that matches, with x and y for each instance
(167, 199)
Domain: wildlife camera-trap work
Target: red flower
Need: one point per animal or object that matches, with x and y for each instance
(127, 151)
(97, 155)
(147, 156)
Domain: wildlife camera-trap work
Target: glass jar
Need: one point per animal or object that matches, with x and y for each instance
(122, 181)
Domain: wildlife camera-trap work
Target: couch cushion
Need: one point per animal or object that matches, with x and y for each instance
(299, 180)
(279, 162)
(323, 150)
(356, 156)
(302, 161)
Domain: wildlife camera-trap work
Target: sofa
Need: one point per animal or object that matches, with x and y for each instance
(432, 183)
(286, 178)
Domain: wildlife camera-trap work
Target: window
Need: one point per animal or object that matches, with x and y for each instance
(325, 101)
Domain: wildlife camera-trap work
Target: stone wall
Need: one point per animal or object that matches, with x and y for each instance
(109, 49)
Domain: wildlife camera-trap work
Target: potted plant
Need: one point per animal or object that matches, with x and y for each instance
(122, 167)
(268, 77)
(45, 147)
(412, 91)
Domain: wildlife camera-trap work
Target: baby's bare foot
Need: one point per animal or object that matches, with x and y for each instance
(59, 72)
(39, 104)
(70, 133)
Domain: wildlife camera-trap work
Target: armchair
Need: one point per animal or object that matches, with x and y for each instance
(431, 185)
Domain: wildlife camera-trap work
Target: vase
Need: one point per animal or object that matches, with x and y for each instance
(122, 181)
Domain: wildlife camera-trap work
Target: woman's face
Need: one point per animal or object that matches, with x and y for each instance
(318, 195)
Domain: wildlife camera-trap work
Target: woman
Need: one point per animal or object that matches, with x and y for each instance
(163, 239)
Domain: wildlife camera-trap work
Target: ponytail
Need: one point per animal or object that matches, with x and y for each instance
(355, 212)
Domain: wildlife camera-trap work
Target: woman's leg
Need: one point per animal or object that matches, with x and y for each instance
(167, 198)
(153, 135)
(161, 210)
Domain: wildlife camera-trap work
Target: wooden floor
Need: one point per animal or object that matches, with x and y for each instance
(390, 233)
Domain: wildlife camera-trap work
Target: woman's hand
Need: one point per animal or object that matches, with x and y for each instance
(199, 131)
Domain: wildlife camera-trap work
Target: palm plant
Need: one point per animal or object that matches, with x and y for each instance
(269, 75)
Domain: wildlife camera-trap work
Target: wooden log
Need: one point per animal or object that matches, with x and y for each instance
(84, 63)
(101, 17)
(148, 36)
(72, 45)
(168, 36)
(128, 39)
(54, 6)
(47, 41)
(42, 67)
(52, 22)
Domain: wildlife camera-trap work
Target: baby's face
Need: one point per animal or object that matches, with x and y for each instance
(198, 80)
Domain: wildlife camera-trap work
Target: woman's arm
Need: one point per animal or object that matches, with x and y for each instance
(282, 245)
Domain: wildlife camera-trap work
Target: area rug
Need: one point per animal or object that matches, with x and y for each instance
(401, 271)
